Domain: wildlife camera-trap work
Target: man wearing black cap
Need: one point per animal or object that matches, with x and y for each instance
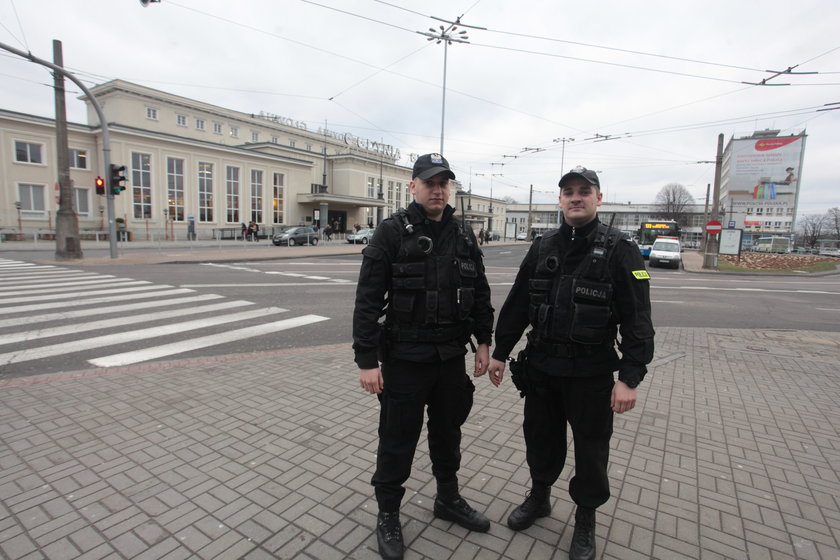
(431, 270)
(577, 287)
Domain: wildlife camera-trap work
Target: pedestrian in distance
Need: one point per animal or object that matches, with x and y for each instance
(578, 287)
(427, 265)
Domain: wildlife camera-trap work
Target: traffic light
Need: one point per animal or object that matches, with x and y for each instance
(100, 185)
(117, 181)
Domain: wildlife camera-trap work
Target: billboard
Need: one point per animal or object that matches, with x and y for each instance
(765, 168)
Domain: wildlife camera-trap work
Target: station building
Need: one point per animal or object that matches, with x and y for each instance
(187, 160)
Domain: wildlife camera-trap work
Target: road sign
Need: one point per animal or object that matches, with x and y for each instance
(713, 227)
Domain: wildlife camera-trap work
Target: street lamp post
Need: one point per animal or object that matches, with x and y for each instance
(491, 175)
(447, 36)
(563, 152)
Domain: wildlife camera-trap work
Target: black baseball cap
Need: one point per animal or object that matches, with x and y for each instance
(586, 174)
(429, 165)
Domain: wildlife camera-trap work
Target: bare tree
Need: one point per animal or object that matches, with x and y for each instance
(672, 203)
(811, 228)
(833, 219)
(509, 199)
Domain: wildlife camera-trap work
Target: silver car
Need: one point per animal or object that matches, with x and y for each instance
(362, 236)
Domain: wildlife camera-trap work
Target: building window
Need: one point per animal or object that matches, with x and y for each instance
(407, 195)
(78, 158)
(274, 139)
(291, 143)
(309, 147)
(199, 124)
(141, 185)
(232, 193)
(234, 132)
(175, 188)
(397, 196)
(28, 152)
(255, 136)
(82, 201)
(256, 196)
(181, 120)
(32, 198)
(217, 128)
(205, 191)
(390, 193)
(151, 113)
(277, 198)
(371, 187)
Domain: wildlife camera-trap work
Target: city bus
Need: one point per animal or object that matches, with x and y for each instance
(772, 244)
(650, 230)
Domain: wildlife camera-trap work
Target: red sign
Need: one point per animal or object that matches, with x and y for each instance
(713, 227)
(767, 144)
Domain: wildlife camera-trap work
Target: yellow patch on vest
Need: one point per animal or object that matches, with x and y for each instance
(641, 275)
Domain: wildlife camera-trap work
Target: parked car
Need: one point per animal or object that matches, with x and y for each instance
(296, 236)
(494, 236)
(665, 252)
(362, 236)
(522, 236)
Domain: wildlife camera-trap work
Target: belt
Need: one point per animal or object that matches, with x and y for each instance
(436, 334)
(563, 350)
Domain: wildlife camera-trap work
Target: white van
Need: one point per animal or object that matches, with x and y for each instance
(666, 252)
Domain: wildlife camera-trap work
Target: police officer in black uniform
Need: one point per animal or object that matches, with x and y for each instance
(577, 287)
(424, 271)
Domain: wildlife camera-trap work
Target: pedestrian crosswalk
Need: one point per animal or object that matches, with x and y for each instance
(51, 311)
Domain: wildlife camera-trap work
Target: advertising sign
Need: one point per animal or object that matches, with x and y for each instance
(730, 242)
(765, 167)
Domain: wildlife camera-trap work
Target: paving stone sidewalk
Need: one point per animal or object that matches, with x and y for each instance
(732, 452)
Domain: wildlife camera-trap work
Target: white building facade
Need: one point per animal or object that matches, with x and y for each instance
(190, 161)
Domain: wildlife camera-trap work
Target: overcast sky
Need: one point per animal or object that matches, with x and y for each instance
(659, 79)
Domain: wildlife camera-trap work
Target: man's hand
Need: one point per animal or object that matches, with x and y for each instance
(497, 372)
(482, 358)
(623, 397)
(371, 380)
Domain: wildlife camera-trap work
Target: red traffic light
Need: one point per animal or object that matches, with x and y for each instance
(100, 185)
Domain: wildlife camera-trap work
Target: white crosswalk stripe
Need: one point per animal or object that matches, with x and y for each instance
(43, 307)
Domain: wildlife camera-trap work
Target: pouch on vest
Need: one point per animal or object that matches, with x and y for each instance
(591, 311)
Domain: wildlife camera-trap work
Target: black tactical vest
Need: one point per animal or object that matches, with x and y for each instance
(431, 285)
(574, 307)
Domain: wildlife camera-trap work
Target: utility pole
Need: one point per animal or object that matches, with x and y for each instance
(67, 245)
(530, 201)
(705, 219)
(711, 256)
(380, 211)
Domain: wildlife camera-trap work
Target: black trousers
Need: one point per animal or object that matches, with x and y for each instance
(583, 402)
(442, 388)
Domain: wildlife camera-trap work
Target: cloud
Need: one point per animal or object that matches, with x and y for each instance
(530, 77)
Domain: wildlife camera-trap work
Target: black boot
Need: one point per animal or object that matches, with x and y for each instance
(537, 504)
(389, 535)
(583, 539)
(449, 505)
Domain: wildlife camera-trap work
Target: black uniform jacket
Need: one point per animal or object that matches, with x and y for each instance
(375, 282)
(631, 310)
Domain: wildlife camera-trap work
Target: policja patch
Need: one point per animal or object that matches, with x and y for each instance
(641, 275)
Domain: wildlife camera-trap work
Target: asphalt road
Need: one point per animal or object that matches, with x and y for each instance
(215, 309)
